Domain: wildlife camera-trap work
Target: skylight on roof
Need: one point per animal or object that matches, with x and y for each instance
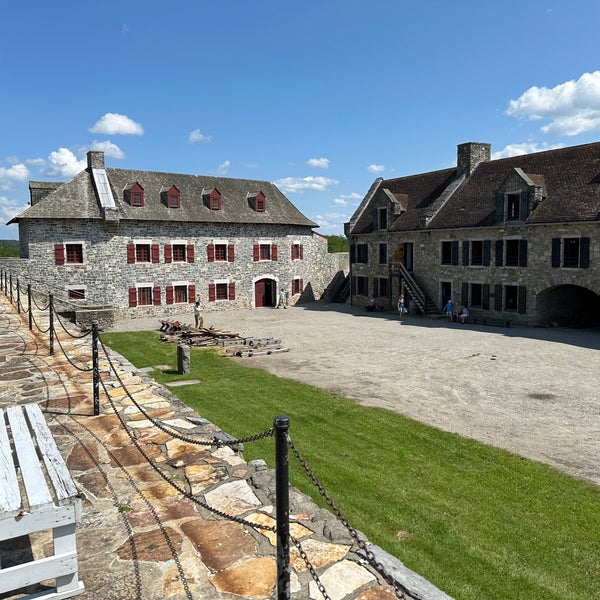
(103, 189)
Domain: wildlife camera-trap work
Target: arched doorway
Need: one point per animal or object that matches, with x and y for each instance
(264, 292)
(568, 306)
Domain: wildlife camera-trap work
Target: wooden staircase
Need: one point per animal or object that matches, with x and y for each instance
(425, 304)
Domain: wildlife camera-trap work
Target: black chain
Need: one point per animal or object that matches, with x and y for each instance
(116, 503)
(310, 568)
(212, 442)
(85, 370)
(68, 332)
(174, 484)
(37, 325)
(399, 590)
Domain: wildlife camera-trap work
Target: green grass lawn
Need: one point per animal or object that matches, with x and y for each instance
(478, 522)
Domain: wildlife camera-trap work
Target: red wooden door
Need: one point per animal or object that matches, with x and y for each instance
(259, 293)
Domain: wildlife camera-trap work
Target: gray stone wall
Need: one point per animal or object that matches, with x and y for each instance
(106, 275)
(537, 277)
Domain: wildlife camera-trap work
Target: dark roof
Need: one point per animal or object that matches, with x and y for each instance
(77, 199)
(569, 179)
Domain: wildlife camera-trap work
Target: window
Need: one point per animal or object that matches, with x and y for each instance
(220, 252)
(449, 253)
(512, 207)
(571, 252)
(265, 251)
(257, 201)
(383, 254)
(381, 287)
(297, 286)
(173, 197)
(297, 251)
(360, 285)
(178, 252)
(511, 253)
(477, 253)
(74, 253)
(382, 218)
(215, 200)
(144, 296)
(510, 298)
(478, 295)
(135, 194)
(142, 253)
(180, 293)
(221, 290)
(362, 253)
(76, 293)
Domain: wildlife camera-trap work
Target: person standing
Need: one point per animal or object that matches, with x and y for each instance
(281, 298)
(199, 320)
(401, 307)
(449, 309)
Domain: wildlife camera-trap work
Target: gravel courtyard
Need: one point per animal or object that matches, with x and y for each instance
(532, 391)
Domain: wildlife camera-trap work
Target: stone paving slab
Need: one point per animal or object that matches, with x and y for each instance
(143, 535)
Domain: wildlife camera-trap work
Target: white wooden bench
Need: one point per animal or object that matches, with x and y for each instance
(37, 494)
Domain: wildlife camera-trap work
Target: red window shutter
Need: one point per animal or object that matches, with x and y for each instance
(190, 253)
(301, 251)
(168, 253)
(169, 294)
(130, 253)
(274, 252)
(293, 251)
(155, 253)
(156, 294)
(230, 252)
(211, 252)
(301, 285)
(232, 291)
(132, 297)
(212, 292)
(59, 254)
(191, 293)
(256, 252)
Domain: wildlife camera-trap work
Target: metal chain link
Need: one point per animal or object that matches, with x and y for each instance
(212, 442)
(85, 370)
(399, 590)
(37, 325)
(116, 503)
(174, 484)
(77, 337)
(310, 568)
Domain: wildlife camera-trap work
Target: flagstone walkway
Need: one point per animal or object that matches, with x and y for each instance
(146, 531)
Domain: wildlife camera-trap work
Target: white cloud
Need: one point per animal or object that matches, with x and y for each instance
(524, 148)
(376, 168)
(108, 148)
(572, 107)
(64, 163)
(332, 222)
(299, 184)
(18, 172)
(198, 136)
(250, 165)
(346, 199)
(321, 163)
(116, 124)
(10, 208)
(223, 168)
(36, 162)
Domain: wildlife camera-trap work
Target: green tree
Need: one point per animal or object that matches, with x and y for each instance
(337, 243)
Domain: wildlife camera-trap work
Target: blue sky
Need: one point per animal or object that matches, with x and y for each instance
(320, 97)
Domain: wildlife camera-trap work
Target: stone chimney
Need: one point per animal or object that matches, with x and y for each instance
(95, 159)
(472, 154)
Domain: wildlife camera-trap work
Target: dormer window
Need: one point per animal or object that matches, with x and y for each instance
(212, 199)
(258, 201)
(513, 202)
(173, 197)
(134, 194)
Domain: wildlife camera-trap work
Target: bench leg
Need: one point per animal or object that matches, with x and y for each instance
(64, 542)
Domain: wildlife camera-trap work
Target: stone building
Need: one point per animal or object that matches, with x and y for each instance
(515, 239)
(145, 243)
